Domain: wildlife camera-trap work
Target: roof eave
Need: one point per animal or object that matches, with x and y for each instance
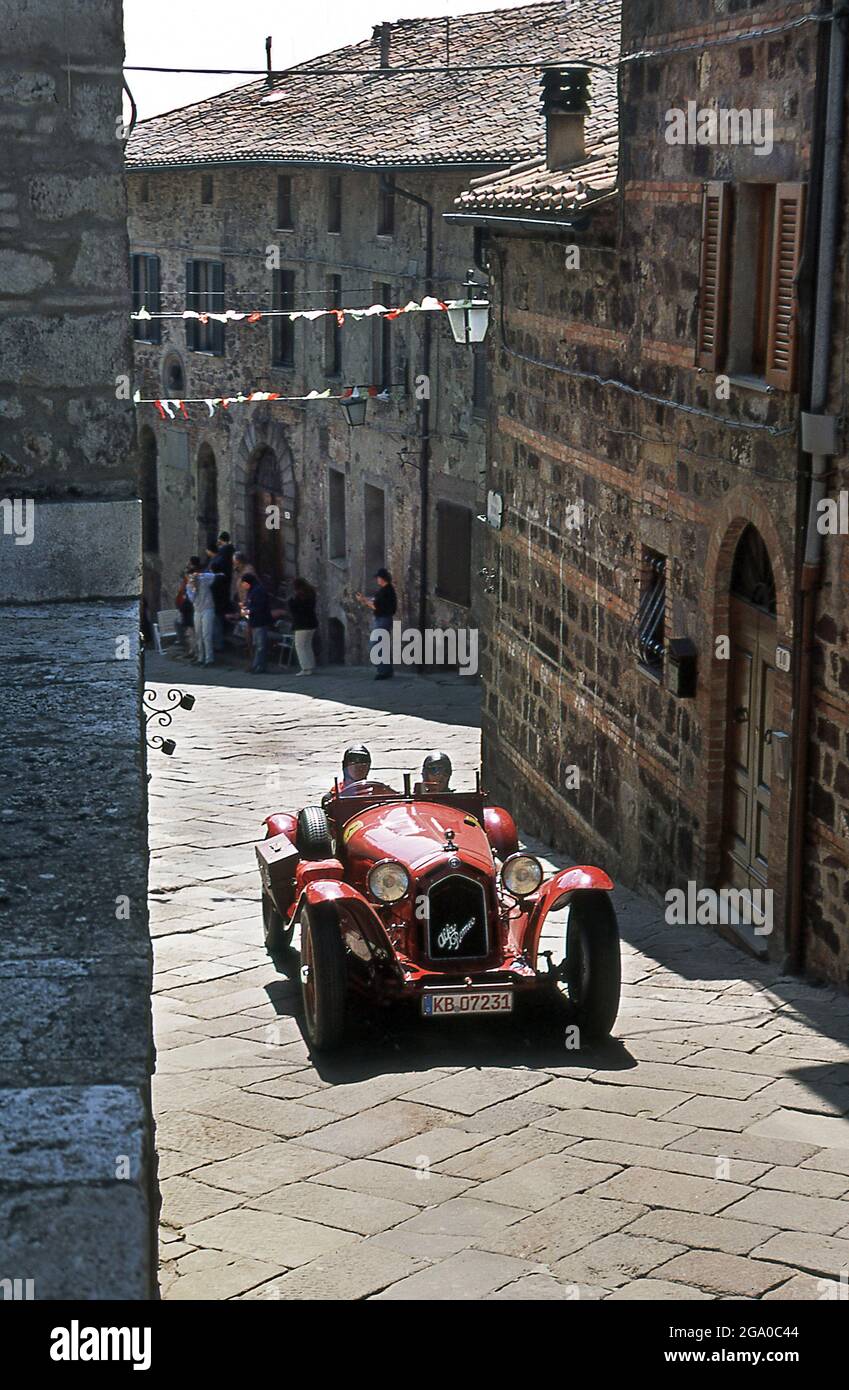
(330, 162)
(575, 221)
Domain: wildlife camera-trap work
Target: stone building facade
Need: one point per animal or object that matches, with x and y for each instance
(78, 1199)
(300, 166)
(650, 359)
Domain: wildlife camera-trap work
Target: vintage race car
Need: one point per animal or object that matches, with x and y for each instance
(426, 896)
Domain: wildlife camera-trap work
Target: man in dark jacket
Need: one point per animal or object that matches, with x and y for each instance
(383, 606)
(258, 606)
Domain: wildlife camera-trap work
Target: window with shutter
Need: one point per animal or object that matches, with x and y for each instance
(205, 293)
(146, 295)
(713, 299)
(786, 252)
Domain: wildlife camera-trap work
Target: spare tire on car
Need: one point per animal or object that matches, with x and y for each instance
(313, 835)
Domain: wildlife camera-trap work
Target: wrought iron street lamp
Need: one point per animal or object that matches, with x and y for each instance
(354, 407)
(470, 319)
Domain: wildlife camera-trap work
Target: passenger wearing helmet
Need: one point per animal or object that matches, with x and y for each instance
(436, 774)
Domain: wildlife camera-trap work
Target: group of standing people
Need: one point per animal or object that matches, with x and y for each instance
(225, 587)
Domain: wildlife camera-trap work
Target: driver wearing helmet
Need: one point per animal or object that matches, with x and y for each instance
(436, 774)
(356, 765)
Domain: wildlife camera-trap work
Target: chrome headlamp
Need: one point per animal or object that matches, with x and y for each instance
(388, 882)
(522, 874)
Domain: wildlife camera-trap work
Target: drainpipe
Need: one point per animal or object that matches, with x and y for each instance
(819, 440)
(424, 412)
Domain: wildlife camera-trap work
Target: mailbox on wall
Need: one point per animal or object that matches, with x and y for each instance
(681, 667)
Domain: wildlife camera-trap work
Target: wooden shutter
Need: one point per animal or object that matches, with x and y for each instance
(191, 303)
(713, 277)
(217, 305)
(786, 251)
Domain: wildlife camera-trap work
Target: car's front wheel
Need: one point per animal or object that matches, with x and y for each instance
(278, 937)
(593, 966)
(324, 978)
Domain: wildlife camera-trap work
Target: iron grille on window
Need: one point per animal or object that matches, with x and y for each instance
(146, 296)
(282, 329)
(652, 612)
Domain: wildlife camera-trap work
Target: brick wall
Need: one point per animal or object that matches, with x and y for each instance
(563, 684)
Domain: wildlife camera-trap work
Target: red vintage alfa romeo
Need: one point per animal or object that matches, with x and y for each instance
(426, 896)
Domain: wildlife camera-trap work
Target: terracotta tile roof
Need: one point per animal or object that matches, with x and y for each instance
(531, 188)
(367, 120)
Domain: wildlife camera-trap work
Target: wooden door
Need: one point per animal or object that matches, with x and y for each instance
(749, 747)
(268, 538)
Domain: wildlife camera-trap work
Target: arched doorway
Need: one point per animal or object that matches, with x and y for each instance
(272, 521)
(749, 723)
(207, 494)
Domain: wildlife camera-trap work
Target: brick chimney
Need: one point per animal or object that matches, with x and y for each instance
(565, 105)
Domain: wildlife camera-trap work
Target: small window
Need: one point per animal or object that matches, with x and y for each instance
(374, 502)
(332, 331)
(454, 553)
(480, 380)
(144, 189)
(386, 206)
(205, 292)
(146, 295)
(285, 209)
(334, 203)
(381, 339)
(651, 618)
(207, 189)
(282, 329)
(336, 513)
(751, 247)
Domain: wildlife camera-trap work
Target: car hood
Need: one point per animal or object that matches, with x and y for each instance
(415, 833)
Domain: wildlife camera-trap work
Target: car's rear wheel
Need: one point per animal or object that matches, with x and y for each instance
(324, 978)
(278, 937)
(593, 963)
(313, 837)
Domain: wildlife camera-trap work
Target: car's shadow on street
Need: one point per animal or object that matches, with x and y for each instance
(383, 1039)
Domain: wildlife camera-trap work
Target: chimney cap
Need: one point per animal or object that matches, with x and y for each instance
(566, 89)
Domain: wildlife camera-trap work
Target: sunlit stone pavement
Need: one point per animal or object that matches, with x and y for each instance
(702, 1153)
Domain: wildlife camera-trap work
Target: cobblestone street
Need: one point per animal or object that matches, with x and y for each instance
(702, 1153)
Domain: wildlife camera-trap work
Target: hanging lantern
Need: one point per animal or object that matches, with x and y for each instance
(355, 406)
(470, 322)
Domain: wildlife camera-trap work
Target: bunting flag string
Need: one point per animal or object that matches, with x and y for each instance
(169, 407)
(428, 305)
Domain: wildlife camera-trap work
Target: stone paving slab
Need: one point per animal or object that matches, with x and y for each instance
(703, 1153)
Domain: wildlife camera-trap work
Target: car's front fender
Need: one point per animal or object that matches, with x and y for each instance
(358, 922)
(556, 894)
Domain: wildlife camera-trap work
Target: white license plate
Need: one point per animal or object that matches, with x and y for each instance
(440, 1004)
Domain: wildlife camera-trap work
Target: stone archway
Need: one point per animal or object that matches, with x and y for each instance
(746, 693)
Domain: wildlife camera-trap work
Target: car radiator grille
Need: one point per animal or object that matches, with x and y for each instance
(457, 919)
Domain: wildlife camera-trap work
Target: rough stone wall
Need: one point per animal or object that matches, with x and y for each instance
(564, 688)
(77, 1191)
(308, 438)
(826, 889)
